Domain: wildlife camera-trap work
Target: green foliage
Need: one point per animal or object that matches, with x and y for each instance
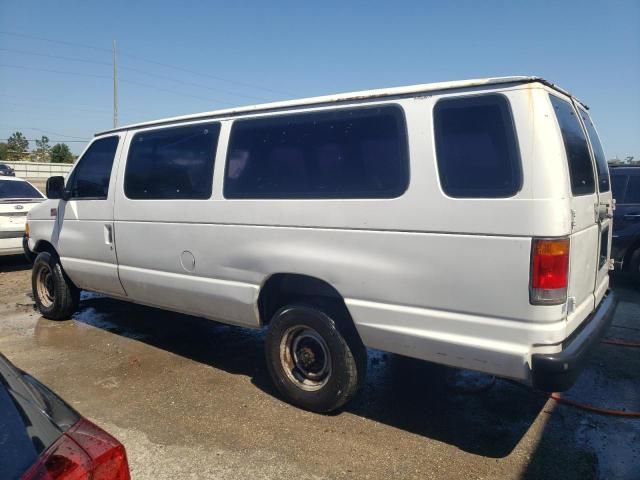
(60, 153)
(4, 151)
(41, 152)
(17, 146)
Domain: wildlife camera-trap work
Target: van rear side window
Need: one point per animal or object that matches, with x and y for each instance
(172, 163)
(346, 153)
(576, 148)
(598, 152)
(476, 147)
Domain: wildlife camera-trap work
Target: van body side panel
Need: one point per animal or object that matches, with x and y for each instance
(421, 273)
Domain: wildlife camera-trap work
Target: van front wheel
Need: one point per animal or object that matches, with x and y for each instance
(313, 365)
(55, 295)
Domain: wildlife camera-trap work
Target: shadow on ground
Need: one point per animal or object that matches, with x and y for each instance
(404, 393)
(14, 263)
(594, 445)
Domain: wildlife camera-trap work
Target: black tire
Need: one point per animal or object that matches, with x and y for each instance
(29, 255)
(55, 295)
(310, 333)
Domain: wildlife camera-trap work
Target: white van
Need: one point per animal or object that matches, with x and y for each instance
(466, 223)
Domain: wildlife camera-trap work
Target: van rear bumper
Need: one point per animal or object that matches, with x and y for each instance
(557, 372)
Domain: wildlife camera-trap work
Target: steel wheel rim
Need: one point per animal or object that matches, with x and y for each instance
(305, 358)
(44, 286)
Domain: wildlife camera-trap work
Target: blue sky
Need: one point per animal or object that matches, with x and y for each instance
(236, 53)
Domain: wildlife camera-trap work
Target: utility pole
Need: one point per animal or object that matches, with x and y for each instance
(115, 87)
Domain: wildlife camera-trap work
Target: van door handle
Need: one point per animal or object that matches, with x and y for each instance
(603, 211)
(108, 234)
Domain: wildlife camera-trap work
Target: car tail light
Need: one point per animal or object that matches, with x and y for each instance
(549, 271)
(85, 451)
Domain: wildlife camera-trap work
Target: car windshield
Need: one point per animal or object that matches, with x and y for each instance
(17, 189)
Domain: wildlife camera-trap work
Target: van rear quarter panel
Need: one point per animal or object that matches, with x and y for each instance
(461, 264)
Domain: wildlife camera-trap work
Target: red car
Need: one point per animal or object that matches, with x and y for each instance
(43, 438)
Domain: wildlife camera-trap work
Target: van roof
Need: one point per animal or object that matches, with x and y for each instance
(344, 97)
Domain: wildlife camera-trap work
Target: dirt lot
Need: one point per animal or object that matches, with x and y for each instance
(190, 398)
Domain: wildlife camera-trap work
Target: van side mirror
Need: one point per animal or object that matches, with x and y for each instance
(55, 188)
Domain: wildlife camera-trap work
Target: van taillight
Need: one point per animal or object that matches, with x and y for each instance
(549, 271)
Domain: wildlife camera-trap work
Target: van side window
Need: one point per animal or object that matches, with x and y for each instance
(355, 153)
(598, 152)
(575, 144)
(172, 163)
(476, 147)
(90, 179)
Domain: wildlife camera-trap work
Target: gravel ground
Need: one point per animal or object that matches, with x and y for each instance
(191, 398)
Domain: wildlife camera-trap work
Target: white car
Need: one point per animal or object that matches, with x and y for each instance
(466, 223)
(17, 197)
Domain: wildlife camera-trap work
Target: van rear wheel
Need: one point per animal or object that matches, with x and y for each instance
(313, 364)
(55, 295)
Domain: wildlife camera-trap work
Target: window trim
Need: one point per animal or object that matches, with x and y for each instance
(403, 137)
(134, 134)
(592, 151)
(73, 172)
(512, 123)
(564, 147)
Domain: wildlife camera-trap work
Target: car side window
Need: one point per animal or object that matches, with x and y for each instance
(618, 187)
(90, 179)
(633, 190)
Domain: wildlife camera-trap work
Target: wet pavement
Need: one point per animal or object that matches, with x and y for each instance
(191, 398)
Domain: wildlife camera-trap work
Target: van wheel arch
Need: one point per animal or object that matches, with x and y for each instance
(281, 289)
(44, 246)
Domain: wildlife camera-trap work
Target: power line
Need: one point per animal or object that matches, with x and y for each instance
(146, 85)
(50, 140)
(53, 105)
(132, 69)
(215, 77)
(61, 42)
(24, 67)
(59, 57)
(45, 131)
(162, 64)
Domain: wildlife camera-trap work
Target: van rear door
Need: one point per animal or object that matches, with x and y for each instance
(604, 209)
(583, 260)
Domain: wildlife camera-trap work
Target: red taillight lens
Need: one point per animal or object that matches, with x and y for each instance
(549, 271)
(84, 452)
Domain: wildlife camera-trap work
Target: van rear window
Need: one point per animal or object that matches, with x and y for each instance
(172, 163)
(576, 148)
(476, 147)
(345, 153)
(598, 152)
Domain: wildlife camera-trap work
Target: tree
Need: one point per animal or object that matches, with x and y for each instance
(17, 146)
(4, 151)
(60, 153)
(42, 149)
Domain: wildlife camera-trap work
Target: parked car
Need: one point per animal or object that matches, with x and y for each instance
(6, 170)
(43, 438)
(17, 197)
(625, 183)
(451, 222)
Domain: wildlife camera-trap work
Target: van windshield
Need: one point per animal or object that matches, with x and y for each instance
(598, 152)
